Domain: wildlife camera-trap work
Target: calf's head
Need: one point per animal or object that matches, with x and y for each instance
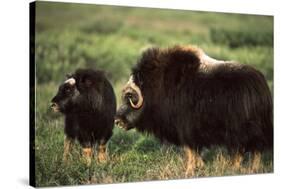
(131, 107)
(65, 96)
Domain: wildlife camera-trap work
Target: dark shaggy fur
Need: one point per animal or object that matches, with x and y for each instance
(193, 103)
(89, 107)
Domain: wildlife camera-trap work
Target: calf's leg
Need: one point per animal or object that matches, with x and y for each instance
(87, 153)
(68, 143)
(102, 151)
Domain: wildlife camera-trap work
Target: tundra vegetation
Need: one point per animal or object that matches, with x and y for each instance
(71, 36)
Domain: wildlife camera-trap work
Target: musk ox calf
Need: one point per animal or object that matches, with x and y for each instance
(183, 96)
(88, 102)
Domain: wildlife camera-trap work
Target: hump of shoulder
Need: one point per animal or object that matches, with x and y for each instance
(177, 56)
(188, 55)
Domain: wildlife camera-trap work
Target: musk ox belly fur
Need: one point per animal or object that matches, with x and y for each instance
(190, 99)
(88, 102)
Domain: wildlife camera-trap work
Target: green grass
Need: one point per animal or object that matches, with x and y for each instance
(70, 36)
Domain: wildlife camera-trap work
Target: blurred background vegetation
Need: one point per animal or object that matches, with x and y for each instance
(111, 38)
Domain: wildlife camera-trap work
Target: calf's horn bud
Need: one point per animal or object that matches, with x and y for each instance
(71, 81)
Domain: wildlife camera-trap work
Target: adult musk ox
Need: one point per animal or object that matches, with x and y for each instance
(183, 96)
(88, 102)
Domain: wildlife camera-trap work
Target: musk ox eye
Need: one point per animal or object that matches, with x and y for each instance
(67, 90)
(129, 95)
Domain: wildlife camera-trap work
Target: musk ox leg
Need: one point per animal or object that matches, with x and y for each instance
(193, 161)
(102, 152)
(256, 160)
(68, 142)
(199, 161)
(87, 155)
(237, 160)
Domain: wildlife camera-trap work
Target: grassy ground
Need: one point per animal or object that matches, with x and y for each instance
(69, 36)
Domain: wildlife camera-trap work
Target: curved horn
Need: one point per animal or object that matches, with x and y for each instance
(133, 86)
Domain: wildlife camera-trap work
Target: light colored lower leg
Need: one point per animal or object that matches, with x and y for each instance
(199, 161)
(237, 160)
(87, 155)
(67, 148)
(193, 160)
(102, 153)
(190, 164)
(256, 162)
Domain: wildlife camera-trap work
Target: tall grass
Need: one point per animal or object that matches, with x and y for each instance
(70, 36)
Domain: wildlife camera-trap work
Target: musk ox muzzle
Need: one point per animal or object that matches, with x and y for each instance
(67, 92)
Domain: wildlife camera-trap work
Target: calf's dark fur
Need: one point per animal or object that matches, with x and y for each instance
(88, 102)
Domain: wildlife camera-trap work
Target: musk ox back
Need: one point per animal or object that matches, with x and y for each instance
(183, 96)
(88, 102)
